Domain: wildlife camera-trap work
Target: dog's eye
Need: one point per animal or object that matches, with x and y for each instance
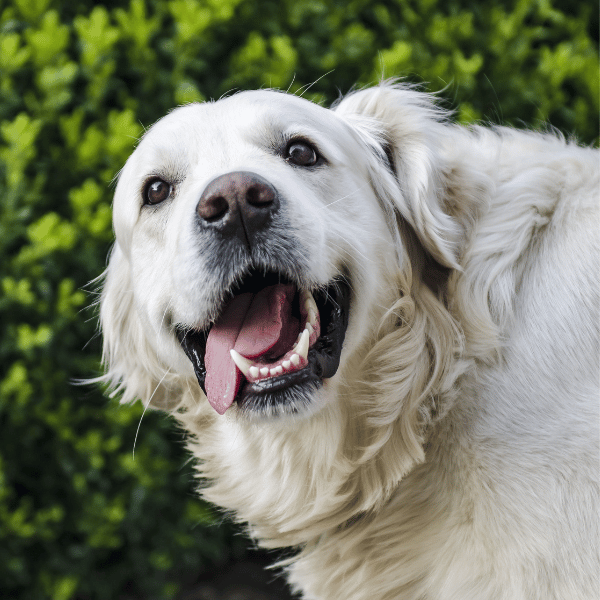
(156, 191)
(301, 154)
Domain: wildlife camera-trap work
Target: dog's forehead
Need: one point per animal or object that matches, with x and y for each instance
(248, 116)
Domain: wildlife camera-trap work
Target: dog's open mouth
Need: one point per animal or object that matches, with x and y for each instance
(272, 344)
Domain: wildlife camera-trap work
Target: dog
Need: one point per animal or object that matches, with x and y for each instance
(380, 330)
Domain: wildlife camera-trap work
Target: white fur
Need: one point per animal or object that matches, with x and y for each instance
(454, 455)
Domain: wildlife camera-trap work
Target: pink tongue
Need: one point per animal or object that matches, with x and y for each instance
(252, 324)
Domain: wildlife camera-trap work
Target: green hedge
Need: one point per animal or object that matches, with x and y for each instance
(80, 515)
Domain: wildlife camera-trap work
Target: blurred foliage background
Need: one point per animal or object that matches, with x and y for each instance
(81, 516)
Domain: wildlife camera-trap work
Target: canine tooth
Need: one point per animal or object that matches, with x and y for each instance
(242, 363)
(310, 303)
(286, 364)
(295, 359)
(312, 316)
(264, 371)
(302, 346)
(254, 372)
(309, 327)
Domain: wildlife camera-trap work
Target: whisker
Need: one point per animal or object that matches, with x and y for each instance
(145, 409)
(343, 197)
(309, 85)
(353, 247)
(291, 84)
(230, 91)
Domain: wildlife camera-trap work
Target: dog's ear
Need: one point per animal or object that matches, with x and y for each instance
(403, 127)
(130, 362)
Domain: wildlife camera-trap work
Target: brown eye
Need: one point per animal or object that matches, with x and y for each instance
(301, 154)
(156, 191)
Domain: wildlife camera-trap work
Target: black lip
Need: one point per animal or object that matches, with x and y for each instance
(289, 391)
(193, 343)
(286, 393)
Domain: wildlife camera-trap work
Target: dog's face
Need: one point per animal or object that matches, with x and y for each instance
(254, 251)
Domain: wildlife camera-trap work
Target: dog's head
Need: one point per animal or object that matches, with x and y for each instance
(258, 244)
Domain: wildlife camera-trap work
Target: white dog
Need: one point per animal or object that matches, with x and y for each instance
(380, 330)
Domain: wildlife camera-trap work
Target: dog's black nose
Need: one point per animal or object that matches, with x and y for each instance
(238, 204)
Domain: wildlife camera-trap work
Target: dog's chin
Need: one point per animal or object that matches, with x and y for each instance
(293, 386)
(291, 394)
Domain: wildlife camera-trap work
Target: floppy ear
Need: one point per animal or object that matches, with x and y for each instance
(132, 368)
(406, 128)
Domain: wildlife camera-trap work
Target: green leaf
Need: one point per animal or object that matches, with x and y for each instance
(31, 9)
(96, 35)
(49, 41)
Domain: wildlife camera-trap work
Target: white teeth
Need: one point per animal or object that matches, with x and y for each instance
(311, 307)
(309, 327)
(242, 363)
(295, 359)
(301, 347)
(264, 371)
(276, 371)
(286, 364)
(254, 372)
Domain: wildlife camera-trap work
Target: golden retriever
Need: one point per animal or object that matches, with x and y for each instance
(380, 330)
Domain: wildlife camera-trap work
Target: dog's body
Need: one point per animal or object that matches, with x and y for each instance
(453, 452)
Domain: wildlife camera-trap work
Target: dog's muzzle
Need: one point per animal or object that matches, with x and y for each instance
(274, 341)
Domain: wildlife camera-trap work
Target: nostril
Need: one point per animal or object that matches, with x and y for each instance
(213, 208)
(260, 195)
(238, 204)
